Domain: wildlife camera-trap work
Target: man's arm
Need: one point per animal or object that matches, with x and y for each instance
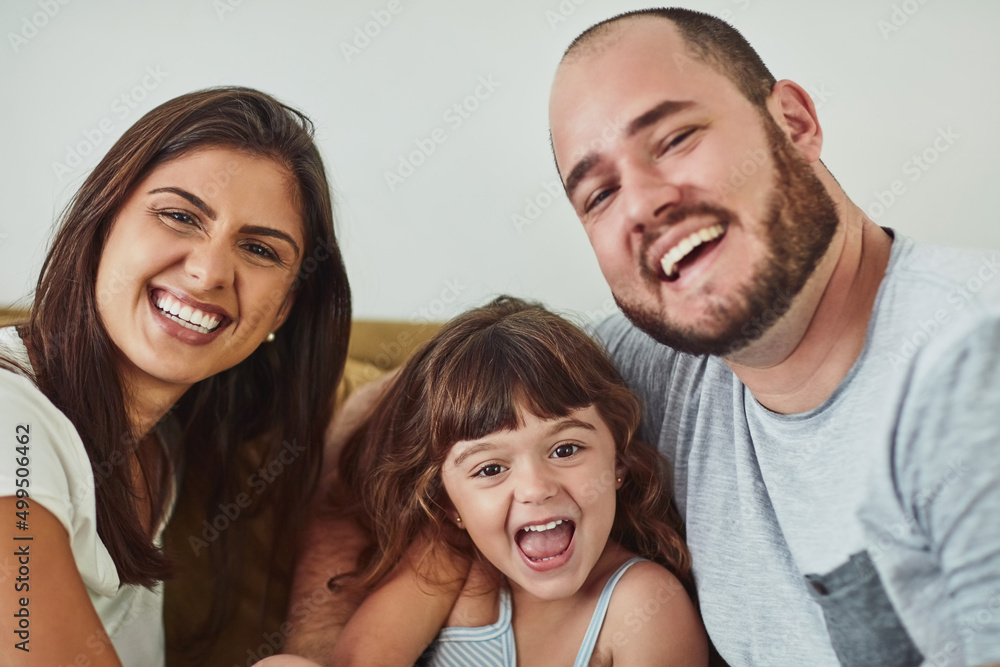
(948, 467)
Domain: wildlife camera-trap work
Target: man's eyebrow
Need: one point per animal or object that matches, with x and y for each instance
(273, 233)
(205, 208)
(657, 113)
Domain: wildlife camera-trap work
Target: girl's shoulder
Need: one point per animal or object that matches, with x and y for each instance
(651, 620)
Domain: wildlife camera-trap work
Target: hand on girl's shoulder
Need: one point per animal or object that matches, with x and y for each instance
(652, 621)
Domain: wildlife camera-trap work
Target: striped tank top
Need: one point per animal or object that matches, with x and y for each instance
(493, 645)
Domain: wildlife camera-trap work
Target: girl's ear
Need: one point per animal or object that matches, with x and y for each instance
(454, 516)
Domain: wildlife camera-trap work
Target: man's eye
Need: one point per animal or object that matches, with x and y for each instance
(565, 451)
(678, 140)
(490, 470)
(598, 198)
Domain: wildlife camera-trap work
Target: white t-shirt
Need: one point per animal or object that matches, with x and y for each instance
(62, 481)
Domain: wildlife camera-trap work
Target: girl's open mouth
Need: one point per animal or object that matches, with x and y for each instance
(543, 542)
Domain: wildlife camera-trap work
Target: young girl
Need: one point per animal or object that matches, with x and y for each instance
(508, 441)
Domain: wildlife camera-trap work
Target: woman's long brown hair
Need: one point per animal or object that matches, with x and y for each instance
(470, 380)
(282, 393)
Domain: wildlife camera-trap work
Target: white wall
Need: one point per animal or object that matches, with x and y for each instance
(884, 95)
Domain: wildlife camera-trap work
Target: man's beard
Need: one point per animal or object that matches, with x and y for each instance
(799, 224)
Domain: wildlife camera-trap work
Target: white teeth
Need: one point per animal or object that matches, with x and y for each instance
(686, 245)
(543, 527)
(191, 318)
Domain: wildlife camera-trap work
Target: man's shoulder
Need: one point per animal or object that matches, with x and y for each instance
(625, 341)
(961, 276)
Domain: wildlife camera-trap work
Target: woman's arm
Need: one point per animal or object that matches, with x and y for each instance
(43, 600)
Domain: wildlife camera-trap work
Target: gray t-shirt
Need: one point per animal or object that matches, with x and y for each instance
(867, 530)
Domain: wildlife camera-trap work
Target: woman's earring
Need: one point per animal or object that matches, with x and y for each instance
(270, 337)
(458, 519)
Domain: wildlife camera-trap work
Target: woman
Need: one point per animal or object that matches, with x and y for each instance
(193, 299)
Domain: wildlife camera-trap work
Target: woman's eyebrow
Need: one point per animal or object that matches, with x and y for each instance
(194, 199)
(274, 233)
(248, 229)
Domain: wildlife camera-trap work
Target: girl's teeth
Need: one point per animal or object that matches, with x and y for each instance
(544, 526)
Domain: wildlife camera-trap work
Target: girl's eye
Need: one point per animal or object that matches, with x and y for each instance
(565, 451)
(490, 470)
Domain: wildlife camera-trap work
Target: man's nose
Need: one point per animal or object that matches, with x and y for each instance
(647, 194)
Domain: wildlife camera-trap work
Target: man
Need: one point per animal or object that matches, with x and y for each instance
(824, 389)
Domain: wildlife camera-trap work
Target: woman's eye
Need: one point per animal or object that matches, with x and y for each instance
(180, 216)
(490, 470)
(565, 451)
(261, 251)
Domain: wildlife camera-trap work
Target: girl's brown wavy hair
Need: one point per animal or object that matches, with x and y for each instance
(470, 380)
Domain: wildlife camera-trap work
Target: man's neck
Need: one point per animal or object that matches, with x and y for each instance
(805, 356)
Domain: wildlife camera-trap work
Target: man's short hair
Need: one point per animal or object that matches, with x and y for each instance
(709, 39)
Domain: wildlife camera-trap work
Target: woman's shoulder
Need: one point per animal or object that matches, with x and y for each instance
(651, 620)
(45, 450)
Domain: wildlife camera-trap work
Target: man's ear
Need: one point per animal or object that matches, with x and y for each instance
(794, 112)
